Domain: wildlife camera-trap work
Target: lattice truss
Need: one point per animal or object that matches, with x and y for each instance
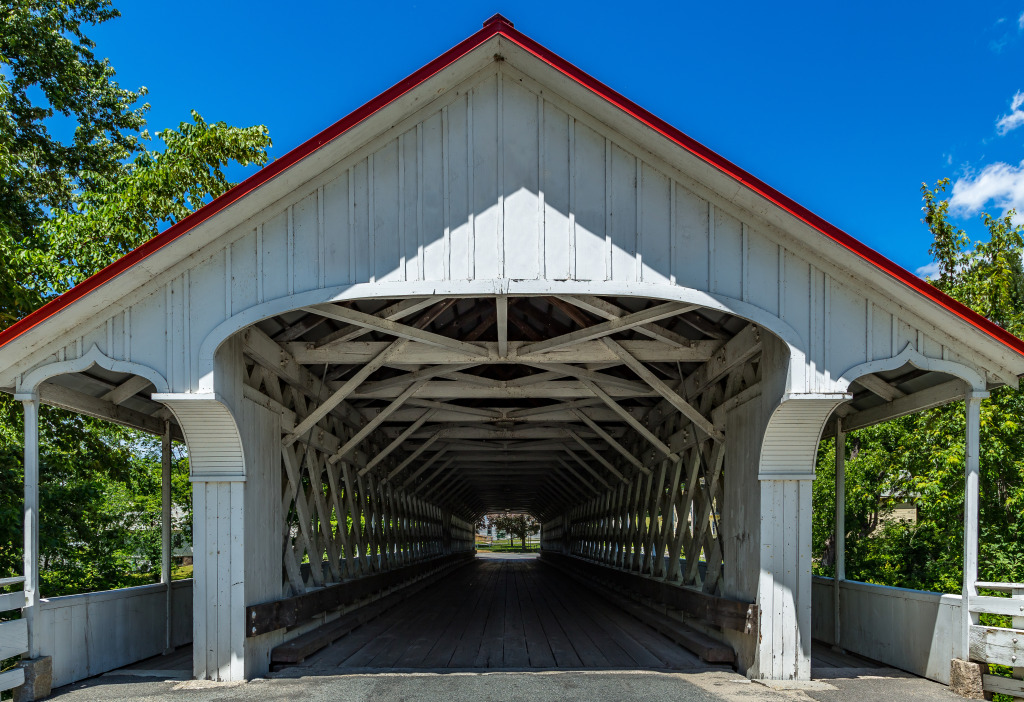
(404, 421)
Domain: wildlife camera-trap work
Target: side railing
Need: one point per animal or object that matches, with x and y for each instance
(13, 632)
(997, 645)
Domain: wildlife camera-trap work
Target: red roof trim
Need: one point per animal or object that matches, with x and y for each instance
(494, 26)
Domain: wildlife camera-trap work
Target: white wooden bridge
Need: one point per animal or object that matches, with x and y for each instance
(501, 286)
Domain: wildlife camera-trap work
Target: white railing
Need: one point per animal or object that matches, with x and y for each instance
(998, 645)
(96, 632)
(912, 630)
(13, 632)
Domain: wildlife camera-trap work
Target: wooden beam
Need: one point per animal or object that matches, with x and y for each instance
(589, 375)
(360, 435)
(294, 331)
(629, 321)
(399, 440)
(440, 469)
(394, 312)
(597, 456)
(736, 351)
(551, 409)
(426, 464)
(916, 402)
(341, 393)
(502, 303)
(632, 421)
(567, 390)
(607, 310)
(586, 466)
(611, 441)
(403, 331)
(127, 389)
(662, 388)
(66, 398)
(282, 364)
(590, 352)
(482, 412)
(883, 389)
(400, 381)
(415, 454)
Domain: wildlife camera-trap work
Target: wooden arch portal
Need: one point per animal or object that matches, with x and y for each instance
(604, 419)
(499, 286)
(402, 422)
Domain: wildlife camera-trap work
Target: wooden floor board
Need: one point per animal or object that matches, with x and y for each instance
(503, 614)
(479, 584)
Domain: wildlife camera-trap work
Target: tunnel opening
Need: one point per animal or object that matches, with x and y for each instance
(403, 421)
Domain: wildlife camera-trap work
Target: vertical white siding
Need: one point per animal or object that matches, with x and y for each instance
(499, 180)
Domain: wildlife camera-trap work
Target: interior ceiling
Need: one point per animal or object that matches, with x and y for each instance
(507, 435)
(519, 427)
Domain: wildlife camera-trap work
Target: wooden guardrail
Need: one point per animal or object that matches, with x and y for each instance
(13, 632)
(997, 645)
(279, 614)
(708, 609)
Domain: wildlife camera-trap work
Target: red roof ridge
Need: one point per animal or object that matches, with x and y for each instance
(494, 26)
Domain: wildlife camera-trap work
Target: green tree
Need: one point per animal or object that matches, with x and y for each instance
(518, 526)
(49, 78)
(920, 458)
(67, 209)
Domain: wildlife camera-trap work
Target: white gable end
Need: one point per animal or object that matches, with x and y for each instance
(500, 185)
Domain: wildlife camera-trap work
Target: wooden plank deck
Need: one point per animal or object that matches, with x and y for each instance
(508, 614)
(501, 613)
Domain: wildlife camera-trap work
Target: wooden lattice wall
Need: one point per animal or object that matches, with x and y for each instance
(663, 519)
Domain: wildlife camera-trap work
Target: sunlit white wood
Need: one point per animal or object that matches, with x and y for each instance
(839, 533)
(971, 512)
(31, 522)
(165, 528)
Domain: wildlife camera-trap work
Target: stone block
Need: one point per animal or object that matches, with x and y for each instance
(965, 679)
(38, 680)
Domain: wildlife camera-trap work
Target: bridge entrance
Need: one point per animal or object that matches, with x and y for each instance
(400, 423)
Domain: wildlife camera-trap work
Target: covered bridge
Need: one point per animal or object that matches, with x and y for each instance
(501, 286)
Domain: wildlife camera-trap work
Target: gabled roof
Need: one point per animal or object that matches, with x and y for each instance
(499, 26)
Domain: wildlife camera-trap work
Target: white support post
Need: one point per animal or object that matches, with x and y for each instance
(31, 546)
(972, 400)
(840, 531)
(786, 473)
(165, 532)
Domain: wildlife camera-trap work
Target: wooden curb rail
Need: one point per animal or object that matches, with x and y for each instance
(707, 609)
(279, 614)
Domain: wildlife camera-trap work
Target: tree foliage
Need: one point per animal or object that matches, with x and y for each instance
(920, 458)
(69, 207)
(519, 526)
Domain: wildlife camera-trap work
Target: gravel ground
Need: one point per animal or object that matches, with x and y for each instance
(528, 686)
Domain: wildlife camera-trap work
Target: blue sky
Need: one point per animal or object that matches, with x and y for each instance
(845, 107)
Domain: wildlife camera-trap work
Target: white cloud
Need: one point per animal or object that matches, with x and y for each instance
(1015, 119)
(999, 183)
(930, 270)
(1020, 21)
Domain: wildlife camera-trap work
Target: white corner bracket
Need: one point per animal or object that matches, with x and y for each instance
(211, 433)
